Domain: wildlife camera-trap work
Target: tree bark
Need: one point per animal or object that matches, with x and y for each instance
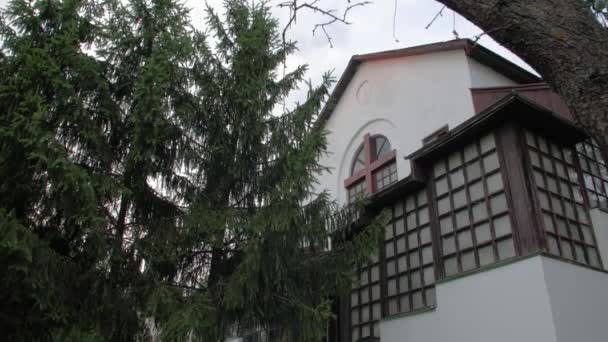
(562, 40)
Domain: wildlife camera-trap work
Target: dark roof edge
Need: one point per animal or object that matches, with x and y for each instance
(531, 86)
(395, 191)
(500, 64)
(475, 51)
(415, 50)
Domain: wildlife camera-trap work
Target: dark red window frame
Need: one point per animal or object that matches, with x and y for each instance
(371, 164)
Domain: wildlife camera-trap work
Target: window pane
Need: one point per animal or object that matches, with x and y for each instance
(502, 226)
(427, 255)
(464, 239)
(399, 226)
(389, 249)
(412, 239)
(490, 162)
(405, 304)
(460, 198)
(415, 280)
(376, 312)
(498, 204)
(359, 163)
(494, 183)
(506, 249)
(473, 171)
(451, 266)
(476, 191)
(448, 245)
(470, 152)
(382, 146)
(567, 249)
(441, 186)
(431, 299)
(462, 219)
(429, 275)
(457, 179)
(401, 245)
(486, 255)
(393, 306)
(468, 261)
(446, 226)
(552, 245)
(594, 259)
(443, 205)
(487, 143)
(354, 316)
(454, 161)
(414, 260)
(402, 264)
(439, 169)
(417, 301)
(425, 235)
(392, 287)
(404, 284)
(480, 212)
(376, 292)
(423, 217)
(482, 233)
(375, 274)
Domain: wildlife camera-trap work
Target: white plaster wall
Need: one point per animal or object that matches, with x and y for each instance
(579, 301)
(483, 76)
(405, 99)
(599, 220)
(505, 304)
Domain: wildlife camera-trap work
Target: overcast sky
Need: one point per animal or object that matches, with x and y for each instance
(371, 30)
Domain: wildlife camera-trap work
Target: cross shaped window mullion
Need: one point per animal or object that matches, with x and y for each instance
(371, 163)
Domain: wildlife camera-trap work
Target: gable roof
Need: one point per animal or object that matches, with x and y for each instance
(472, 49)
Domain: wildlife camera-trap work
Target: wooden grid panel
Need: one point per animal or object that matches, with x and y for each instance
(595, 173)
(356, 191)
(408, 255)
(365, 302)
(385, 176)
(474, 219)
(565, 219)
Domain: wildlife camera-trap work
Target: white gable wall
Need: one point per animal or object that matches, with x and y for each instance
(535, 299)
(406, 99)
(504, 304)
(483, 76)
(599, 221)
(579, 301)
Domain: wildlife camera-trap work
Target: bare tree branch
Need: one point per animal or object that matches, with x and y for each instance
(332, 15)
(439, 14)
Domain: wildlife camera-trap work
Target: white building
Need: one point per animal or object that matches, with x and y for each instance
(499, 202)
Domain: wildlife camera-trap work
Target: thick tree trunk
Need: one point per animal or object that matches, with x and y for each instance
(562, 40)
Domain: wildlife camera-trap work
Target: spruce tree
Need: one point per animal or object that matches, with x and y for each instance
(148, 185)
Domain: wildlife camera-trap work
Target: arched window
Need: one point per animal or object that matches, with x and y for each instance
(373, 167)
